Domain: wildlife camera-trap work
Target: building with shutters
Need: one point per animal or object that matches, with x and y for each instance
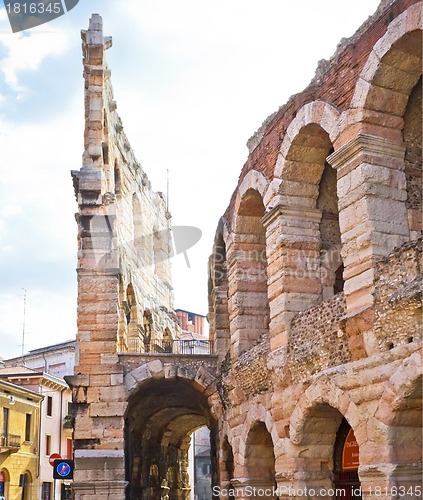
(19, 441)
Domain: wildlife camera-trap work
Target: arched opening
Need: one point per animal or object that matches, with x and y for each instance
(392, 89)
(137, 221)
(406, 437)
(346, 461)
(220, 263)
(201, 480)
(249, 303)
(260, 458)
(160, 419)
(330, 234)
(309, 186)
(218, 316)
(167, 342)
(413, 159)
(396, 74)
(228, 468)
(117, 179)
(324, 436)
(131, 318)
(148, 329)
(122, 331)
(4, 483)
(25, 482)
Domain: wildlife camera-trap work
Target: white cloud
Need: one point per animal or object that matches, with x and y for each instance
(25, 52)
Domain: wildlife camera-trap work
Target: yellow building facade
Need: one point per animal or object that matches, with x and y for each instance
(19, 441)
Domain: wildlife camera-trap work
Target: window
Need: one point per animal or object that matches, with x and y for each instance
(49, 406)
(46, 491)
(28, 422)
(5, 421)
(48, 445)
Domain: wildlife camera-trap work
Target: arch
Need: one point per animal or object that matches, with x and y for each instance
(257, 413)
(259, 458)
(4, 472)
(331, 263)
(162, 413)
(319, 427)
(249, 304)
(200, 378)
(218, 293)
(219, 271)
(402, 383)
(301, 166)
(137, 221)
(308, 194)
(27, 485)
(117, 179)
(346, 459)
(320, 113)
(406, 433)
(331, 399)
(412, 136)
(253, 180)
(393, 67)
(148, 327)
(400, 409)
(227, 466)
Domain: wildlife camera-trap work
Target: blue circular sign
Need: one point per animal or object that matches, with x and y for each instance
(63, 469)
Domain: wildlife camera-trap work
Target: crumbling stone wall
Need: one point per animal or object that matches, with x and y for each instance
(398, 297)
(317, 339)
(251, 372)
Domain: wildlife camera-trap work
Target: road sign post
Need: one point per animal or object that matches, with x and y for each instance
(63, 469)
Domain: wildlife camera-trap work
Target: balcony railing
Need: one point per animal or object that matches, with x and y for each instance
(186, 347)
(10, 441)
(68, 422)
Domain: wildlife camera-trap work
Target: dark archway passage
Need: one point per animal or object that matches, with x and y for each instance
(346, 462)
(161, 416)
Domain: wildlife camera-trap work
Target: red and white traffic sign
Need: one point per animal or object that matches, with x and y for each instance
(53, 457)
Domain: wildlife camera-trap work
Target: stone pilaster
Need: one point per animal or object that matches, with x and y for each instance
(254, 488)
(293, 253)
(391, 481)
(372, 217)
(219, 320)
(104, 474)
(248, 302)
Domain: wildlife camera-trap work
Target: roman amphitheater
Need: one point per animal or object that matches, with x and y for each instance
(311, 384)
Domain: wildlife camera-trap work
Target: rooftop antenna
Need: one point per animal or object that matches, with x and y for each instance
(23, 325)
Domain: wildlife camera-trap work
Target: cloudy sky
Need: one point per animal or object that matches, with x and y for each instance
(193, 80)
